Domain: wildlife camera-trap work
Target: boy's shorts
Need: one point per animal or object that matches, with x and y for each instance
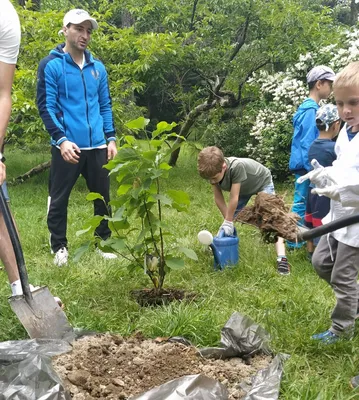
(244, 199)
(6, 193)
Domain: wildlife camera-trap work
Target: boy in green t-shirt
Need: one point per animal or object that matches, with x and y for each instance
(242, 177)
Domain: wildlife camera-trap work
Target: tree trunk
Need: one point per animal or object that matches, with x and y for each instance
(187, 125)
(32, 172)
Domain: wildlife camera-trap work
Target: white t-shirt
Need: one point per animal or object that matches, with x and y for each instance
(10, 33)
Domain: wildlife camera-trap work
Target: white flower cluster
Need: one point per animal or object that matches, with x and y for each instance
(266, 120)
(347, 52)
(288, 89)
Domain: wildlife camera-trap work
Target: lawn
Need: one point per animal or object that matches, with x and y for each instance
(96, 292)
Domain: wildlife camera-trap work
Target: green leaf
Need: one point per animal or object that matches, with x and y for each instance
(117, 225)
(115, 243)
(174, 262)
(130, 140)
(163, 199)
(94, 196)
(165, 166)
(156, 143)
(127, 154)
(150, 155)
(95, 221)
(163, 126)
(81, 251)
(123, 189)
(188, 252)
(83, 231)
(156, 173)
(137, 124)
(179, 196)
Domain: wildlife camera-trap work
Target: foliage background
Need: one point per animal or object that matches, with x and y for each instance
(165, 58)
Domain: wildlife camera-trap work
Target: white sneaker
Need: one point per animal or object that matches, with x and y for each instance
(61, 257)
(106, 256)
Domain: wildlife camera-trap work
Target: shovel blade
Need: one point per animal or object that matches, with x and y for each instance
(43, 317)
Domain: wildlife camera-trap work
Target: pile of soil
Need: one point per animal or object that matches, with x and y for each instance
(271, 215)
(110, 367)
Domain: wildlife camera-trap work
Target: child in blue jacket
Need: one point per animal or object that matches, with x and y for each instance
(319, 81)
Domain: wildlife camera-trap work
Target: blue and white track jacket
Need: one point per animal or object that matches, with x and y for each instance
(75, 103)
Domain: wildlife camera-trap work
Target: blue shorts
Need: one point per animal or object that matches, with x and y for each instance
(244, 199)
(6, 193)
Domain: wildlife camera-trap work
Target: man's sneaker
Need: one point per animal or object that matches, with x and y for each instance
(354, 382)
(283, 266)
(327, 337)
(106, 256)
(61, 257)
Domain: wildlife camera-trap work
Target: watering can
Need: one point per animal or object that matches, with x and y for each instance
(224, 248)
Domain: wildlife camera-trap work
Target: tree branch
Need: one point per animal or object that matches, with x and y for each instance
(249, 74)
(191, 28)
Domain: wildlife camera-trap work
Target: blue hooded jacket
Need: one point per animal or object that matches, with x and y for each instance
(75, 103)
(305, 132)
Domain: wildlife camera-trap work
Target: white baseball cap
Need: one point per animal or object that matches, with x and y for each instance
(77, 16)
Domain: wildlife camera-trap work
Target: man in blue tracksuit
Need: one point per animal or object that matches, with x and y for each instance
(74, 103)
(319, 81)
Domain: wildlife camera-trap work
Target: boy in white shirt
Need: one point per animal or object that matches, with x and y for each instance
(336, 258)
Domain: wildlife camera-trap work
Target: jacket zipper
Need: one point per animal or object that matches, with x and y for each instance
(87, 108)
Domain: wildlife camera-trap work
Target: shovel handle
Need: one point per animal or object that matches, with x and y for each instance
(4, 208)
(330, 227)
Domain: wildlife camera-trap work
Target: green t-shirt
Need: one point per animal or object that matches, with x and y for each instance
(252, 175)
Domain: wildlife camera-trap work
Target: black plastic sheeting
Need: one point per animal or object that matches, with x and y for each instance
(240, 337)
(26, 372)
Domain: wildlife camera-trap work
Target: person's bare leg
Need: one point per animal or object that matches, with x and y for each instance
(310, 246)
(7, 254)
(280, 247)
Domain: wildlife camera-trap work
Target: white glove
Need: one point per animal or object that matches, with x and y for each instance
(320, 176)
(329, 191)
(227, 227)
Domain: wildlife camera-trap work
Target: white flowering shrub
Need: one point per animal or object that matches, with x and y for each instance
(281, 94)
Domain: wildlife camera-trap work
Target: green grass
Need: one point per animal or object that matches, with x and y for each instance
(96, 292)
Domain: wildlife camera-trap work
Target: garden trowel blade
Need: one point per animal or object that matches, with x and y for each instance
(42, 317)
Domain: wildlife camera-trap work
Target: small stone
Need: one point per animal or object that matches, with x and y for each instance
(78, 378)
(137, 361)
(118, 382)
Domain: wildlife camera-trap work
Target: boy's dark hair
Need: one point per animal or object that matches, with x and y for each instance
(322, 126)
(311, 85)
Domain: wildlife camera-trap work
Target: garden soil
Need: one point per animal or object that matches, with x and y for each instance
(110, 367)
(272, 216)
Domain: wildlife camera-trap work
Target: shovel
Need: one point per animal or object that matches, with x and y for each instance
(308, 234)
(38, 311)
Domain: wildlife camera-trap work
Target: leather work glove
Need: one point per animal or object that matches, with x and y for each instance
(329, 191)
(227, 227)
(320, 176)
